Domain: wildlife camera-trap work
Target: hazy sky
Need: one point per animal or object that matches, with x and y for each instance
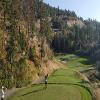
(84, 8)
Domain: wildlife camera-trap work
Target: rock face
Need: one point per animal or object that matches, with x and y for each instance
(75, 21)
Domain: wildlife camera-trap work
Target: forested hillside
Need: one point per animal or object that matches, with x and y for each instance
(32, 31)
(24, 43)
(73, 33)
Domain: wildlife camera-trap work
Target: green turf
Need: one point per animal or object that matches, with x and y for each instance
(64, 76)
(63, 84)
(53, 92)
(76, 62)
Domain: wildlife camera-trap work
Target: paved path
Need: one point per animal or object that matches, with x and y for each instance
(9, 92)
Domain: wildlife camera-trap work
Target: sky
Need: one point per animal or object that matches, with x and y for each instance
(83, 8)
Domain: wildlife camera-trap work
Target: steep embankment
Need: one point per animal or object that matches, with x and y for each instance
(25, 49)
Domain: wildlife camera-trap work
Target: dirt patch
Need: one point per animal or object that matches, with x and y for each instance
(97, 91)
(51, 66)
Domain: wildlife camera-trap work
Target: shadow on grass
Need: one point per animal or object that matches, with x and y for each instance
(43, 88)
(87, 62)
(37, 90)
(90, 60)
(58, 75)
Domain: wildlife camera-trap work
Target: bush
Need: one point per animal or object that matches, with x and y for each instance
(19, 83)
(42, 52)
(32, 54)
(23, 77)
(7, 82)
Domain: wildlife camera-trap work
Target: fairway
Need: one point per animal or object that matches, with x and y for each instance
(63, 84)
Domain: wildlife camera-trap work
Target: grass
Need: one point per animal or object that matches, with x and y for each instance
(63, 84)
(76, 62)
(64, 76)
(53, 92)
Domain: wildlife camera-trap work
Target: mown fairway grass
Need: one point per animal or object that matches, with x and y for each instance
(63, 84)
(76, 62)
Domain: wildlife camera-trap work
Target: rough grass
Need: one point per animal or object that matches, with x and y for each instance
(63, 84)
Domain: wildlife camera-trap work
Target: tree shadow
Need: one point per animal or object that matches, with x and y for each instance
(34, 91)
(87, 62)
(58, 75)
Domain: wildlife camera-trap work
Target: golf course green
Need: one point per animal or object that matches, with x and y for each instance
(63, 84)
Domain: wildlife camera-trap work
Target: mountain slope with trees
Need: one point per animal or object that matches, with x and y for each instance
(24, 45)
